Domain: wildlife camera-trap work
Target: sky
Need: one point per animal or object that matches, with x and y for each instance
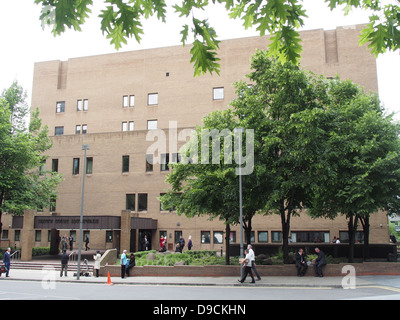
(23, 41)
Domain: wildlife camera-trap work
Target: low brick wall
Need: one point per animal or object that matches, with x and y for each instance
(366, 268)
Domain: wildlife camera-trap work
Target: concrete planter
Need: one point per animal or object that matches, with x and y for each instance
(366, 268)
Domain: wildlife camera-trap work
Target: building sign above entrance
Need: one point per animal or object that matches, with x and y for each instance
(72, 222)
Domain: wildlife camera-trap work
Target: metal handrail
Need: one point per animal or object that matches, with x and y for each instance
(15, 256)
(72, 257)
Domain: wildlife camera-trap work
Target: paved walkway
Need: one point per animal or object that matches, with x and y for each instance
(307, 281)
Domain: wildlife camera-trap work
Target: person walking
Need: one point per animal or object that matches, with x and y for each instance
(247, 268)
(87, 243)
(97, 258)
(190, 243)
(253, 261)
(123, 264)
(181, 243)
(64, 263)
(7, 261)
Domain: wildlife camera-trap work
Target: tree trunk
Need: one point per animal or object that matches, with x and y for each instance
(285, 220)
(366, 228)
(352, 236)
(227, 241)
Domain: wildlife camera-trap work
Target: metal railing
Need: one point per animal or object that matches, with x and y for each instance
(16, 256)
(73, 257)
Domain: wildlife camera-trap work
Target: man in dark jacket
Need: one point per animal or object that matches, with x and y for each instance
(319, 262)
(301, 263)
(64, 263)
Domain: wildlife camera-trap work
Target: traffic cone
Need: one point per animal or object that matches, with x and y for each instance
(109, 283)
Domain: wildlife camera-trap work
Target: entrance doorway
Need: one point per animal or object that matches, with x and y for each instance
(145, 236)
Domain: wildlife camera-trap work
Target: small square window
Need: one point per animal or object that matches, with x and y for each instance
(205, 237)
(152, 124)
(218, 93)
(58, 131)
(152, 99)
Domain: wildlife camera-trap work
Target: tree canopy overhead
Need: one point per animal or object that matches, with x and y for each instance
(122, 19)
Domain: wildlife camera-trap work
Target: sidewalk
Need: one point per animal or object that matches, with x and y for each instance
(307, 281)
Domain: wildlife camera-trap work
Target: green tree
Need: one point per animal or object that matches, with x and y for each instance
(205, 182)
(22, 184)
(286, 106)
(363, 155)
(121, 20)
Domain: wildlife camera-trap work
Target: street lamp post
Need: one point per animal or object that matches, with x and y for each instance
(85, 147)
(240, 131)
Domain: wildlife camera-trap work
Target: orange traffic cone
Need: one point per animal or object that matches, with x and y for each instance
(109, 283)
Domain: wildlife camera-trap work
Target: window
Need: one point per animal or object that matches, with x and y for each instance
(60, 106)
(130, 202)
(38, 235)
(152, 99)
(124, 101)
(89, 165)
(109, 236)
(152, 124)
(310, 236)
(58, 131)
(75, 166)
(232, 236)
(82, 105)
(128, 125)
(4, 235)
(218, 93)
(81, 129)
(17, 235)
(142, 202)
(54, 165)
(164, 162)
(276, 236)
(149, 163)
(125, 163)
(132, 101)
(53, 204)
(205, 237)
(218, 237)
(42, 167)
(344, 237)
(263, 236)
(177, 235)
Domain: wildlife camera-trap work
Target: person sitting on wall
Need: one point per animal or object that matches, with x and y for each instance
(319, 262)
(301, 263)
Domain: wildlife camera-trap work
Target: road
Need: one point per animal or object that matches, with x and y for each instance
(385, 288)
